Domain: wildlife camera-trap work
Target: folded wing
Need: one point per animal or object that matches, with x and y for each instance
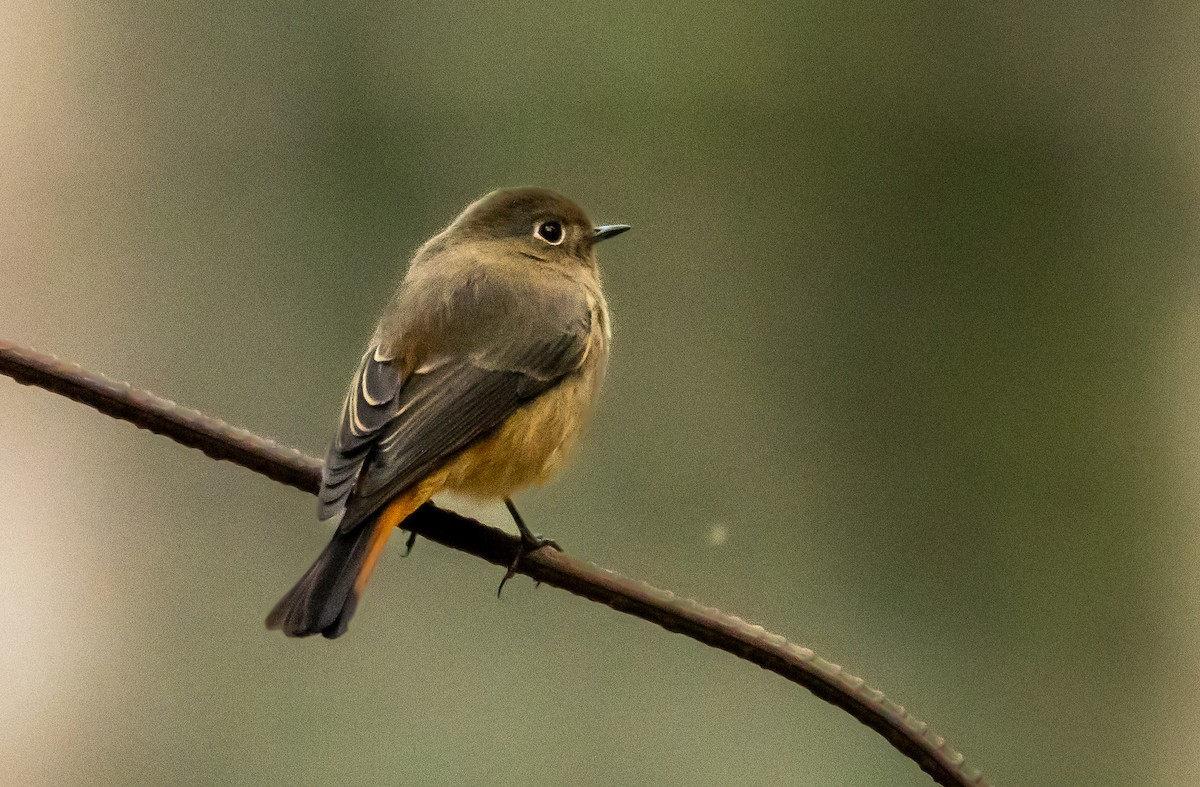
(396, 429)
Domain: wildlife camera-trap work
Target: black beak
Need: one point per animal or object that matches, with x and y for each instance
(608, 231)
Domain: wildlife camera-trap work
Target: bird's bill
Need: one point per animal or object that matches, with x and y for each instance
(608, 231)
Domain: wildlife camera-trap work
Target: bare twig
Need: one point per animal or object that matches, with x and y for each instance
(753, 643)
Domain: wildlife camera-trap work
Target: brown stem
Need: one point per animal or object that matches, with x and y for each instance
(710, 626)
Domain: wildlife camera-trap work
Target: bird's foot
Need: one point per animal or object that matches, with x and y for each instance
(530, 542)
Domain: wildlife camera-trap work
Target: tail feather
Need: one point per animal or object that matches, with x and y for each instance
(324, 599)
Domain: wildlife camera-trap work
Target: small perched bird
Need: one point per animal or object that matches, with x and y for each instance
(479, 379)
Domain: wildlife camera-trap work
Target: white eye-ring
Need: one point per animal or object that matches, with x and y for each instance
(550, 231)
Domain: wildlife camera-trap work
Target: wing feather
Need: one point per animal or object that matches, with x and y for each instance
(477, 351)
(370, 404)
(396, 429)
(446, 410)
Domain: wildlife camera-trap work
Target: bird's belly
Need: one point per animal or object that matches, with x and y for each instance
(532, 445)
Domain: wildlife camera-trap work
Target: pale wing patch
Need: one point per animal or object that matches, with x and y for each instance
(370, 404)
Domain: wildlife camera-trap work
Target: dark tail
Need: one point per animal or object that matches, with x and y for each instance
(323, 601)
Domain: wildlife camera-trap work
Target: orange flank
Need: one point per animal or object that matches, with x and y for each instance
(383, 527)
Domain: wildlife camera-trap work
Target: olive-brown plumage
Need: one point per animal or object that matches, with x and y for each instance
(479, 379)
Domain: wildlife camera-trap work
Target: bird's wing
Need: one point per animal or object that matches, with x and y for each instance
(371, 403)
(396, 429)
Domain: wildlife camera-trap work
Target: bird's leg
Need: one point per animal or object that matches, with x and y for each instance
(530, 542)
(408, 544)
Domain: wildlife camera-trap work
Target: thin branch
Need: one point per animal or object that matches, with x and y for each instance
(710, 626)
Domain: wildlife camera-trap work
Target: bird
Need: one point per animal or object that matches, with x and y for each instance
(479, 379)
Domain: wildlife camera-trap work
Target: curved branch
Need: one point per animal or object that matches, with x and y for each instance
(708, 625)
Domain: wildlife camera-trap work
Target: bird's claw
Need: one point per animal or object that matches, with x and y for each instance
(530, 542)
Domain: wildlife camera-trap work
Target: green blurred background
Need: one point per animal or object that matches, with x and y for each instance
(910, 315)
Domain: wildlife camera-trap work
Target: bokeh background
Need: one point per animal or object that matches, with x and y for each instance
(906, 367)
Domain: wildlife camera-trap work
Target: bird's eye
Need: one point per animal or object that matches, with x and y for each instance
(549, 231)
